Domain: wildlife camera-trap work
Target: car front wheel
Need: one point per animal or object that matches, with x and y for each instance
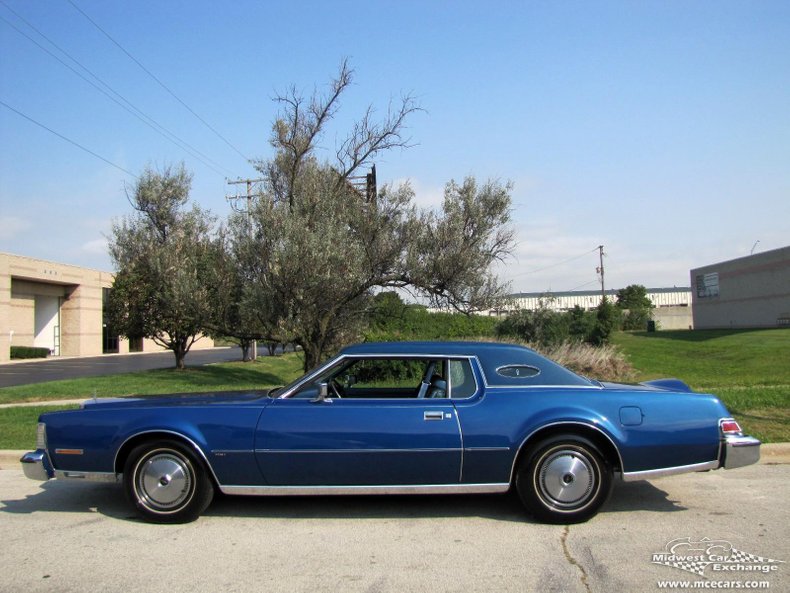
(167, 482)
(564, 479)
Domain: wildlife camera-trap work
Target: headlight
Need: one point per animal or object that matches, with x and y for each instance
(41, 436)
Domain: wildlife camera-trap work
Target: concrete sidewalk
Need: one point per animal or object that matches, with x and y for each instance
(770, 454)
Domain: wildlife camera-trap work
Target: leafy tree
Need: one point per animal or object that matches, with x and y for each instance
(322, 246)
(606, 321)
(241, 311)
(163, 255)
(580, 323)
(636, 307)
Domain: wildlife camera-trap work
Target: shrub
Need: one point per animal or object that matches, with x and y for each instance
(607, 319)
(20, 352)
(604, 363)
(390, 319)
(540, 326)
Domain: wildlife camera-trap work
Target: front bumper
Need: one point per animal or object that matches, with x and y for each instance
(36, 465)
(740, 451)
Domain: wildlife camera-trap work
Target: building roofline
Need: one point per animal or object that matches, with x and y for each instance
(583, 293)
(54, 263)
(754, 256)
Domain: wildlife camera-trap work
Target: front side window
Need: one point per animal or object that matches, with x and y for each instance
(382, 378)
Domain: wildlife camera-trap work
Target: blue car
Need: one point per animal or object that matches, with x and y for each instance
(397, 418)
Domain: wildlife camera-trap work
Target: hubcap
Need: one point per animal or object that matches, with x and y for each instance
(566, 478)
(164, 481)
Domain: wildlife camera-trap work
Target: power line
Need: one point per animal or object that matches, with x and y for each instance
(127, 105)
(69, 140)
(158, 81)
(583, 285)
(565, 261)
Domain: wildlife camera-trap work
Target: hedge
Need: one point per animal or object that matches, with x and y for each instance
(28, 352)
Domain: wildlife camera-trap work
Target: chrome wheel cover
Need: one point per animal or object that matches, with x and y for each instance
(567, 478)
(164, 481)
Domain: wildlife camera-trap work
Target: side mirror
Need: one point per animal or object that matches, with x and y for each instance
(323, 393)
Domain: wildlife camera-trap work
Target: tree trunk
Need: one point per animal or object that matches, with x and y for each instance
(180, 350)
(245, 350)
(312, 356)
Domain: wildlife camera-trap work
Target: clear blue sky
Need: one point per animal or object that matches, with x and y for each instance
(658, 129)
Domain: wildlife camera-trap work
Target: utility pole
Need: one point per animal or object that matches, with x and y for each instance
(234, 200)
(600, 271)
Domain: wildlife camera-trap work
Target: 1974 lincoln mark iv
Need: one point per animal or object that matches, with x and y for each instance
(403, 418)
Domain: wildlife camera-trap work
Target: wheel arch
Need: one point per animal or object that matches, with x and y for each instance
(151, 435)
(595, 434)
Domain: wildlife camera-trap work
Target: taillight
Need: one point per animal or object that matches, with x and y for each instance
(41, 436)
(729, 426)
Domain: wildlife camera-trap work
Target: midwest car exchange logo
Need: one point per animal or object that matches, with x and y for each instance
(716, 554)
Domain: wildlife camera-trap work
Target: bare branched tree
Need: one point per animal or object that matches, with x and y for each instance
(315, 248)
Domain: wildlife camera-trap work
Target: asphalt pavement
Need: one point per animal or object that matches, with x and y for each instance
(63, 536)
(55, 369)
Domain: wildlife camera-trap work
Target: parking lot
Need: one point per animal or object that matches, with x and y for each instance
(67, 536)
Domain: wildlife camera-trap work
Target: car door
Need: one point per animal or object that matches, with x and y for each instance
(376, 437)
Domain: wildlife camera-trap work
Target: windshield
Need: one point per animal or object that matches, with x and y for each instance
(278, 391)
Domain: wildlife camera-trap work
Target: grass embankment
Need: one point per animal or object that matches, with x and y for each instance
(749, 370)
(18, 425)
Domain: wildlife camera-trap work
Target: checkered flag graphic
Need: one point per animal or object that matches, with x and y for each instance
(696, 566)
(746, 558)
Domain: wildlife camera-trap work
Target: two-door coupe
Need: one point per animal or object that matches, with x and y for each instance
(403, 418)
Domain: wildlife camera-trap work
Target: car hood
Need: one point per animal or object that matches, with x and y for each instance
(179, 399)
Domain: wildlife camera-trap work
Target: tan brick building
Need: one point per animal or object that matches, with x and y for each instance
(59, 307)
(748, 292)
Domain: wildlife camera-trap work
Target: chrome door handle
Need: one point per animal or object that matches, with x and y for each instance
(433, 415)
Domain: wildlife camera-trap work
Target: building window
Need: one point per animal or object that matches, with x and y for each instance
(109, 336)
(708, 285)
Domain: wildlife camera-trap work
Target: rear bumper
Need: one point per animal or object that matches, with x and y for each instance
(740, 451)
(36, 465)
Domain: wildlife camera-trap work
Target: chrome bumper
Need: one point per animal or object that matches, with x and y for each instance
(740, 451)
(36, 465)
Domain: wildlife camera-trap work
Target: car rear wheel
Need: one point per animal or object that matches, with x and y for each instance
(564, 479)
(167, 482)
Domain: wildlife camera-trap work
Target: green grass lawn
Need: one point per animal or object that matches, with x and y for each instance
(232, 376)
(749, 370)
(18, 425)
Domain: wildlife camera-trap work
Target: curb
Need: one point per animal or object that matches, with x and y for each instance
(770, 454)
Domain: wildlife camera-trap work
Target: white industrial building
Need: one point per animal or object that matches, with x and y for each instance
(590, 299)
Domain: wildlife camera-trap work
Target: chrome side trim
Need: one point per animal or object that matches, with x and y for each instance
(651, 474)
(562, 423)
(487, 449)
(235, 451)
(350, 490)
(106, 477)
(293, 451)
